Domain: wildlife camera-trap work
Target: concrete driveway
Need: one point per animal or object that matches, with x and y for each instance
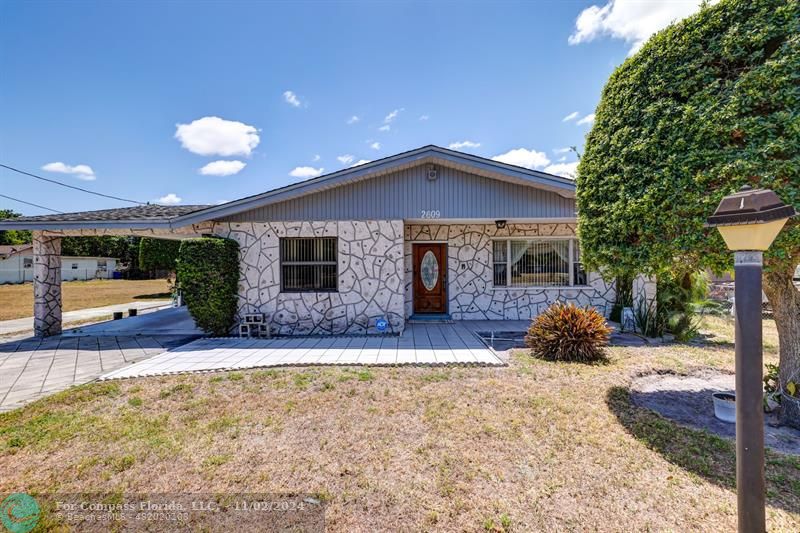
(31, 368)
(22, 325)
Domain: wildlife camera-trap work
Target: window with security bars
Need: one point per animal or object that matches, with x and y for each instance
(308, 264)
(537, 263)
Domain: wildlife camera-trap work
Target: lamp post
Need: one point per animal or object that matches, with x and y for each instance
(749, 221)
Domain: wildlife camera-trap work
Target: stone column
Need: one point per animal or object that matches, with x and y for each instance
(644, 292)
(46, 285)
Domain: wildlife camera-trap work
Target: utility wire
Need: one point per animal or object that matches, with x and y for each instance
(72, 186)
(29, 203)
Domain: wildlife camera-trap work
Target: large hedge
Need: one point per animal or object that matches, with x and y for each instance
(158, 254)
(208, 276)
(706, 106)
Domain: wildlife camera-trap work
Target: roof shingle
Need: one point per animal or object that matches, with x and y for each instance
(141, 212)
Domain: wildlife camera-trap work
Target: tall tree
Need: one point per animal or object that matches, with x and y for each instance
(13, 236)
(707, 105)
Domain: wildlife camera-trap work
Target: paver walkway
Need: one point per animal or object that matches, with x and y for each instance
(420, 344)
(32, 368)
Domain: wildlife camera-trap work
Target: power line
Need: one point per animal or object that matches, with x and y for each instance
(72, 186)
(29, 203)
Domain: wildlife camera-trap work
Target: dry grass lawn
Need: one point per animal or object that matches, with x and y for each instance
(16, 301)
(537, 446)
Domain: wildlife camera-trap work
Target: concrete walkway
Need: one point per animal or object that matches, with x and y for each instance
(420, 344)
(32, 368)
(19, 325)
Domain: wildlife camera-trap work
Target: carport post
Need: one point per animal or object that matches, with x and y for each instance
(46, 285)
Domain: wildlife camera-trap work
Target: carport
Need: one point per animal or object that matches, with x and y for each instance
(157, 221)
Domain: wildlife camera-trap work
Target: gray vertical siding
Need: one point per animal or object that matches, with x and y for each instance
(405, 193)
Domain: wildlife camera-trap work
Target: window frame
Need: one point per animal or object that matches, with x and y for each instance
(282, 263)
(571, 263)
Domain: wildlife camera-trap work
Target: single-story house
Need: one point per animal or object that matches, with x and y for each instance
(428, 233)
(16, 265)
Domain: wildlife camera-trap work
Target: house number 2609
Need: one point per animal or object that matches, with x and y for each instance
(431, 213)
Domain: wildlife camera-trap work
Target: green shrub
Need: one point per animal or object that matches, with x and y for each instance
(158, 254)
(208, 276)
(565, 332)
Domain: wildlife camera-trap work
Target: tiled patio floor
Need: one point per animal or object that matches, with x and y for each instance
(32, 368)
(420, 344)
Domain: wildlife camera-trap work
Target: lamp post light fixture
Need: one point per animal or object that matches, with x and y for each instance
(749, 221)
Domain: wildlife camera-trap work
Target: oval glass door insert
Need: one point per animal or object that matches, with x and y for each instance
(429, 270)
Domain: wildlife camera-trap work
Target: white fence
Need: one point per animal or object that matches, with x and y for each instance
(23, 275)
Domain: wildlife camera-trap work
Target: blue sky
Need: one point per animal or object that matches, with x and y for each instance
(94, 93)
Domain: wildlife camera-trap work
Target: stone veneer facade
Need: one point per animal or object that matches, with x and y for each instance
(471, 294)
(375, 275)
(370, 256)
(47, 285)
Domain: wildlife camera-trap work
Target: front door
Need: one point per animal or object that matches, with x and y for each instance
(430, 278)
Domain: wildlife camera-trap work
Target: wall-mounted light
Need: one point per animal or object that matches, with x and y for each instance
(501, 224)
(432, 174)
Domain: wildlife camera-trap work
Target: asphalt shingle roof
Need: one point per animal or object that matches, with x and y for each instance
(141, 212)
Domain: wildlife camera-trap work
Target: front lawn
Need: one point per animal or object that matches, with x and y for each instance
(535, 446)
(17, 300)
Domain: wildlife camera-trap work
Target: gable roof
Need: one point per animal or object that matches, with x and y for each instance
(7, 250)
(169, 217)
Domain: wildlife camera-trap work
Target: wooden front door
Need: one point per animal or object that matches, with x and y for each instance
(430, 278)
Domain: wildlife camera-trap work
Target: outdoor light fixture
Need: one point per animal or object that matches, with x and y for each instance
(749, 221)
(500, 224)
(751, 218)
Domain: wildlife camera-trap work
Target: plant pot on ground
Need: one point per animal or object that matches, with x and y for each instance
(725, 406)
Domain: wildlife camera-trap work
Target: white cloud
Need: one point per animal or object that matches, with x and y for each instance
(316, 158)
(588, 119)
(563, 150)
(222, 168)
(306, 172)
(82, 172)
(170, 199)
(568, 170)
(216, 136)
(562, 159)
(393, 115)
(291, 98)
(463, 144)
(522, 157)
(633, 21)
(375, 146)
(571, 116)
(345, 159)
(385, 127)
(424, 117)
(353, 119)
(361, 162)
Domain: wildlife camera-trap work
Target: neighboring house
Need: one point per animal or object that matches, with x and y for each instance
(16, 265)
(429, 233)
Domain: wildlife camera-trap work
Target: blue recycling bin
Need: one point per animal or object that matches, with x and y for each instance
(116, 275)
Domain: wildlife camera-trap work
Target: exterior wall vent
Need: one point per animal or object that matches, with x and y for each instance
(432, 174)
